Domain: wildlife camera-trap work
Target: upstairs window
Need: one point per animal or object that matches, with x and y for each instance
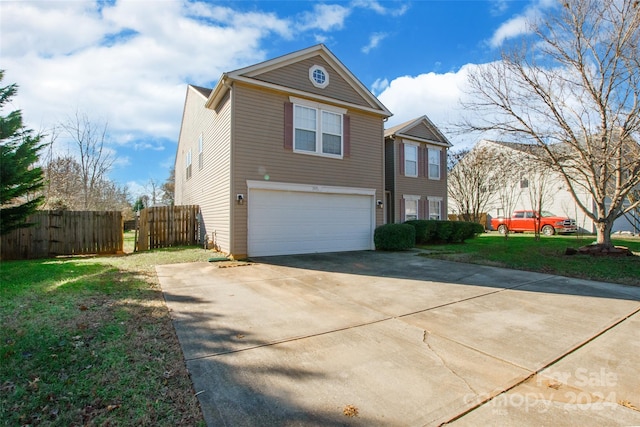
(317, 131)
(410, 160)
(434, 163)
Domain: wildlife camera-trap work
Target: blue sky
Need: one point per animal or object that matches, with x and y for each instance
(129, 62)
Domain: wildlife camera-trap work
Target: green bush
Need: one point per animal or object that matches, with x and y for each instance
(394, 237)
(425, 230)
(444, 231)
(430, 231)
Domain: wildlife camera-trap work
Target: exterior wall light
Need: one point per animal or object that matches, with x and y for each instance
(240, 198)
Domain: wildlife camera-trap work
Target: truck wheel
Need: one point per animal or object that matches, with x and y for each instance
(548, 230)
(502, 229)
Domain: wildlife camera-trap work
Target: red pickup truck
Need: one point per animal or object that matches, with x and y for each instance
(522, 221)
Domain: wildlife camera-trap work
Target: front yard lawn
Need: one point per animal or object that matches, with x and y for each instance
(89, 341)
(523, 252)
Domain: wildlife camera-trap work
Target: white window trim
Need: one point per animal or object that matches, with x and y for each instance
(434, 199)
(319, 109)
(313, 81)
(416, 147)
(439, 150)
(411, 198)
(317, 105)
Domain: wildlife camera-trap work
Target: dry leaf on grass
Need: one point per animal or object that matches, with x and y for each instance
(350, 411)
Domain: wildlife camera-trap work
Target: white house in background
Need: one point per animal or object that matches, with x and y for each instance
(558, 199)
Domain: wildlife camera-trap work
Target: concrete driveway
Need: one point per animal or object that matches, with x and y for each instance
(397, 339)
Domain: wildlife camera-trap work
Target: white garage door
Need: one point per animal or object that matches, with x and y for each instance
(296, 222)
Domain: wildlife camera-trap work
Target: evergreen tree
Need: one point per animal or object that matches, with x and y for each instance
(138, 205)
(20, 180)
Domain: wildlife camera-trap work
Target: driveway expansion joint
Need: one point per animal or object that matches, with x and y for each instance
(546, 366)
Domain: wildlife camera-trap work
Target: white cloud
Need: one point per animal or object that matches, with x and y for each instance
(435, 95)
(380, 9)
(66, 56)
(325, 17)
(520, 24)
(514, 27)
(379, 85)
(498, 7)
(136, 189)
(374, 41)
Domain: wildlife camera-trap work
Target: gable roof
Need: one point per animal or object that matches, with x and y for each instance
(202, 90)
(420, 129)
(257, 75)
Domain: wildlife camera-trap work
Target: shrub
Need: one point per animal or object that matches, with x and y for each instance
(430, 231)
(425, 230)
(444, 231)
(394, 237)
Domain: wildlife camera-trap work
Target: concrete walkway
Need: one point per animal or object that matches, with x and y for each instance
(404, 340)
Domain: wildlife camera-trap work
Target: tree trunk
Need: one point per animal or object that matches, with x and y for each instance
(603, 234)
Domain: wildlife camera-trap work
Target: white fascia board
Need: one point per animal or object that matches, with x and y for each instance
(424, 140)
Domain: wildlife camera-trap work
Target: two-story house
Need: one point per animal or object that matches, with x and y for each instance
(284, 157)
(415, 171)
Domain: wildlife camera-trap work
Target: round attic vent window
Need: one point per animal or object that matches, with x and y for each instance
(318, 76)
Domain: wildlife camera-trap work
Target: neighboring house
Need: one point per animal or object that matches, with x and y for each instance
(557, 198)
(415, 171)
(286, 157)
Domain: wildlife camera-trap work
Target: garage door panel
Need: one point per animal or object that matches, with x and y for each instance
(288, 222)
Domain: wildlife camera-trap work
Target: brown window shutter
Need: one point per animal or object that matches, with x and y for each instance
(288, 126)
(421, 160)
(401, 159)
(421, 209)
(346, 135)
(402, 211)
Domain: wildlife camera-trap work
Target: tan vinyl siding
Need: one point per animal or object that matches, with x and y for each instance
(421, 186)
(423, 131)
(208, 187)
(259, 153)
(296, 76)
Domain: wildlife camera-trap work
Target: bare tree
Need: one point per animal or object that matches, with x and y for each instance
(153, 191)
(573, 89)
(94, 158)
(64, 184)
(470, 181)
(169, 188)
(507, 174)
(539, 183)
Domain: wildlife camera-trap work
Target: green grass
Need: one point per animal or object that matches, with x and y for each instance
(523, 252)
(89, 341)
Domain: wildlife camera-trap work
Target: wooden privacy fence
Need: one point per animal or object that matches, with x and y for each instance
(165, 226)
(65, 233)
